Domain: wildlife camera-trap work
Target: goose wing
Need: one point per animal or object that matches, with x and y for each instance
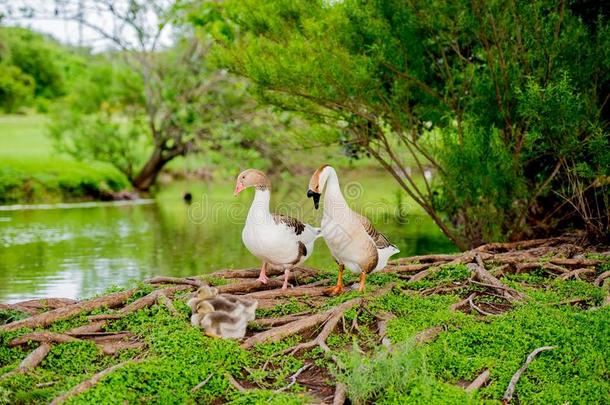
(378, 238)
(294, 224)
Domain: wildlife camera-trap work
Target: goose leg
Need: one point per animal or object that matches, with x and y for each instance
(286, 276)
(362, 281)
(338, 289)
(262, 277)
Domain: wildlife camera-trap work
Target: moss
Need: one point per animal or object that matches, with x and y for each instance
(293, 306)
(578, 366)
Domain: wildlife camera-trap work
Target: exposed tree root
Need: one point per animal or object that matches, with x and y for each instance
(85, 385)
(280, 320)
(293, 378)
(31, 361)
(254, 272)
(291, 292)
(332, 315)
(202, 383)
(340, 394)
(250, 285)
(483, 276)
(463, 303)
(427, 335)
(235, 383)
(108, 343)
(476, 308)
(382, 328)
(557, 256)
(92, 327)
(15, 307)
(600, 279)
(510, 390)
(576, 273)
(478, 382)
(42, 337)
(46, 318)
(195, 282)
(141, 303)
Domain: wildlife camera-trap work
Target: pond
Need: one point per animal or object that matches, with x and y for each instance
(79, 250)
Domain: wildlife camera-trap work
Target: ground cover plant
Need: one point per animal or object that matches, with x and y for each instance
(437, 328)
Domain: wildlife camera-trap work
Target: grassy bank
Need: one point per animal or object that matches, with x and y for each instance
(438, 346)
(30, 172)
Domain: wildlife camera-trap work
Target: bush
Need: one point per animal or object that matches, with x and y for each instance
(16, 88)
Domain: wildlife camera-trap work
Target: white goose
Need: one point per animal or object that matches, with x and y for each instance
(277, 240)
(351, 238)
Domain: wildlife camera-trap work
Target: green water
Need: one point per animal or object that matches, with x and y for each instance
(79, 251)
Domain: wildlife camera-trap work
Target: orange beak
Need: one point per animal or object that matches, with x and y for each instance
(239, 187)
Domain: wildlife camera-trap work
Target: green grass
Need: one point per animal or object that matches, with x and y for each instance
(30, 171)
(179, 356)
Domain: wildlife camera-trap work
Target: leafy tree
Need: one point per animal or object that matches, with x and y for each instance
(486, 95)
(150, 101)
(32, 68)
(16, 87)
(38, 56)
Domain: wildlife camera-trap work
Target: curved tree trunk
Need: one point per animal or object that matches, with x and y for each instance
(147, 177)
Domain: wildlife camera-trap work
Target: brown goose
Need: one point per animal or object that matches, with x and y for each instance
(351, 238)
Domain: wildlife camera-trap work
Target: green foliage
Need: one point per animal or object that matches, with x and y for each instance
(400, 376)
(16, 88)
(57, 179)
(575, 369)
(31, 66)
(415, 314)
(485, 95)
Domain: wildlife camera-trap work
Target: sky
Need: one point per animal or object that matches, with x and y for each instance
(45, 19)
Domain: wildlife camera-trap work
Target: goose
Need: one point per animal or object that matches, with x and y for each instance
(230, 304)
(221, 324)
(279, 241)
(353, 241)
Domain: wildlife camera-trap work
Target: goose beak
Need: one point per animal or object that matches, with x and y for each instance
(316, 198)
(238, 188)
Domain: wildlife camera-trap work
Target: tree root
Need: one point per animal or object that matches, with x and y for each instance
(235, 383)
(293, 378)
(46, 318)
(291, 292)
(202, 383)
(483, 276)
(85, 385)
(34, 306)
(141, 303)
(340, 394)
(382, 328)
(195, 282)
(476, 308)
(600, 279)
(508, 394)
(31, 361)
(478, 382)
(108, 343)
(459, 305)
(280, 320)
(42, 337)
(331, 317)
(427, 335)
(576, 273)
(250, 285)
(254, 272)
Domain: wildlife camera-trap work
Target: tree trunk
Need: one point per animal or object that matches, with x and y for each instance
(147, 177)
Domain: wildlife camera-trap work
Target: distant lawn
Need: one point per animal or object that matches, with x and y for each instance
(32, 172)
(23, 137)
